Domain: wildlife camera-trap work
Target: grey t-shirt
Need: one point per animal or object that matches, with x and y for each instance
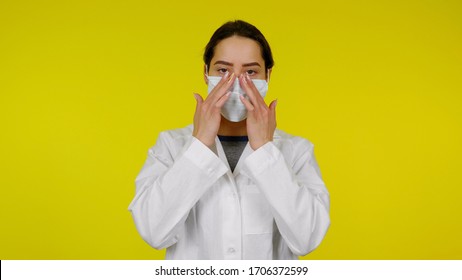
(233, 147)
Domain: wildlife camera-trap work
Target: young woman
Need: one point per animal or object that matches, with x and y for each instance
(232, 186)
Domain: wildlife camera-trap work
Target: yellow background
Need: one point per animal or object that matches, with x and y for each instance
(86, 86)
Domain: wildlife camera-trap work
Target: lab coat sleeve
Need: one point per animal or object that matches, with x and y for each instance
(296, 193)
(167, 188)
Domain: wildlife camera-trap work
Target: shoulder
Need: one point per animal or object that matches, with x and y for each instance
(288, 139)
(172, 140)
(291, 144)
(178, 133)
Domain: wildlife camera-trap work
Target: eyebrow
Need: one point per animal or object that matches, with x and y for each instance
(230, 64)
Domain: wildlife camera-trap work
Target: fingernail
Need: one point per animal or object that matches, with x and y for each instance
(226, 75)
(230, 78)
(243, 78)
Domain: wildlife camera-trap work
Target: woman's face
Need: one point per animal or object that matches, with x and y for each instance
(238, 55)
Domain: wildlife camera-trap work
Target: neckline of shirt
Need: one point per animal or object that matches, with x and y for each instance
(233, 138)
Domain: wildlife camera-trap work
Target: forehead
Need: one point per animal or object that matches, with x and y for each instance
(238, 50)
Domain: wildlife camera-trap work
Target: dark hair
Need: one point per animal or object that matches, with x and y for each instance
(243, 29)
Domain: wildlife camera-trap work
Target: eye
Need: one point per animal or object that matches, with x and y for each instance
(222, 71)
(251, 72)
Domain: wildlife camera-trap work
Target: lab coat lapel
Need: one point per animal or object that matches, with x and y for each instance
(221, 154)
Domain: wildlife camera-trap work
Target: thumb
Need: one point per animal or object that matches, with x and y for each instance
(273, 104)
(198, 98)
(272, 108)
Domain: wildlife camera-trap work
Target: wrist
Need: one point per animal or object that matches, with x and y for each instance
(207, 142)
(255, 145)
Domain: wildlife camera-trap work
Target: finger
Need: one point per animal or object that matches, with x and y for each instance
(251, 91)
(198, 98)
(247, 103)
(223, 100)
(222, 87)
(272, 108)
(199, 101)
(273, 104)
(257, 94)
(219, 84)
(272, 117)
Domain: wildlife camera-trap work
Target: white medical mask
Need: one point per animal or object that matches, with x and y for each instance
(234, 110)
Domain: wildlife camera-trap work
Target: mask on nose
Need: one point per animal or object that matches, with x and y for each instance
(234, 110)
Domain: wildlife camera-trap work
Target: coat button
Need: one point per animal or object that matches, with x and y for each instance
(231, 250)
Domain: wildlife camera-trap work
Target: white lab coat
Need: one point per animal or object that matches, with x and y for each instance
(273, 206)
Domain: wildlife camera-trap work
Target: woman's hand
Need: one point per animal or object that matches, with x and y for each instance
(208, 112)
(261, 119)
